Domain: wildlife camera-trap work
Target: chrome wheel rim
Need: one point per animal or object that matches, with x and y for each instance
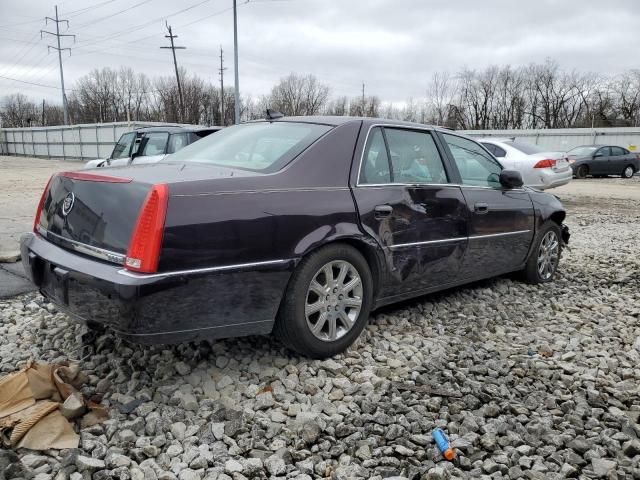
(548, 255)
(628, 172)
(334, 300)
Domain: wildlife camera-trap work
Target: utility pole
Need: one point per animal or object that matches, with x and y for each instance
(235, 63)
(363, 114)
(43, 112)
(222, 69)
(59, 49)
(173, 48)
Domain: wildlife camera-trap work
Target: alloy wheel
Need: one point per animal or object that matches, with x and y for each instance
(628, 172)
(334, 300)
(548, 255)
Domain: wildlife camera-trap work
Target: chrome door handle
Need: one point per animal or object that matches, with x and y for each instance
(481, 208)
(382, 211)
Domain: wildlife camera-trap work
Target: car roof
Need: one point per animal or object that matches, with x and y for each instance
(335, 120)
(175, 129)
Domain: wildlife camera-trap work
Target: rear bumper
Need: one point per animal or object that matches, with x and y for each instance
(547, 178)
(161, 308)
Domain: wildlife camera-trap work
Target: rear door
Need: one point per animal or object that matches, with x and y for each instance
(407, 204)
(617, 160)
(501, 222)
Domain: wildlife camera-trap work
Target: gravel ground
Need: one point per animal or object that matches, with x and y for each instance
(537, 382)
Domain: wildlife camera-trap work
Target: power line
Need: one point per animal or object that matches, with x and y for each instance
(29, 83)
(129, 30)
(93, 22)
(60, 49)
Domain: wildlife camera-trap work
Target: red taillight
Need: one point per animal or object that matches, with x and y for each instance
(144, 247)
(546, 163)
(36, 220)
(93, 177)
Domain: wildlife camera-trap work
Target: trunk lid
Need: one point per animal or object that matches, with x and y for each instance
(95, 211)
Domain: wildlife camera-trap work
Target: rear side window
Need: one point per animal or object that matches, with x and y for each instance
(414, 157)
(375, 162)
(177, 141)
(154, 143)
(123, 147)
(617, 151)
(475, 165)
(496, 150)
(260, 147)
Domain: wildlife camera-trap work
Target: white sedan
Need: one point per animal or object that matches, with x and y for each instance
(539, 168)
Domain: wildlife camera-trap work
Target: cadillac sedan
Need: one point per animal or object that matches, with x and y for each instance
(296, 226)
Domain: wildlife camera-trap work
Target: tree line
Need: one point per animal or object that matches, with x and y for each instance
(497, 97)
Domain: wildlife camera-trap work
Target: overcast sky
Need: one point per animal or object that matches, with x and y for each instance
(392, 45)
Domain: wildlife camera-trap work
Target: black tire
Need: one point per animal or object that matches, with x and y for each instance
(582, 172)
(531, 273)
(291, 326)
(628, 172)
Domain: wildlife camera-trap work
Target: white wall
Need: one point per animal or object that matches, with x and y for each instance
(563, 139)
(77, 142)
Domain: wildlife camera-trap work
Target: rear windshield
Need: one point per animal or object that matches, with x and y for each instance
(526, 148)
(260, 147)
(579, 151)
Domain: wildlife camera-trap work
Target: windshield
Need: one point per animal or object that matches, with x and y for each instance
(582, 151)
(526, 148)
(260, 147)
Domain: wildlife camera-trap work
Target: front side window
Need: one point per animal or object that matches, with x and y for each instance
(123, 147)
(603, 152)
(260, 147)
(154, 143)
(414, 157)
(476, 166)
(375, 161)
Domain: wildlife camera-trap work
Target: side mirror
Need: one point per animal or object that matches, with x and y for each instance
(511, 179)
(598, 154)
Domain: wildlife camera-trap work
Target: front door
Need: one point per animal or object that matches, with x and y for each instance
(501, 222)
(600, 163)
(407, 204)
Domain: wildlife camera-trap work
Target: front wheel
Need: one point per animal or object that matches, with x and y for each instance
(327, 302)
(628, 172)
(545, 256)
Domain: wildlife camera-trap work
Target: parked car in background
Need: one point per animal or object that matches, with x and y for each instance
(539, 168)
(603, 160)
(150, 145)
(300, 226)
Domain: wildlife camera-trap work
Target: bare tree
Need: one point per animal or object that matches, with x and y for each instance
(299, 95)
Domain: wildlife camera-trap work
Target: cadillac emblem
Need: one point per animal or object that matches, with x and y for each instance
(67, 204)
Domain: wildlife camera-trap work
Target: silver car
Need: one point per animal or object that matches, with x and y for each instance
(150, 145)
(539, 168)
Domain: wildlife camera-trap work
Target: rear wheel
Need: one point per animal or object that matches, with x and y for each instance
(628, 171)
(545, 256)
(582, 171)
(327, 302)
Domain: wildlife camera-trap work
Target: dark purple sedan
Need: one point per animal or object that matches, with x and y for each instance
(296, 226)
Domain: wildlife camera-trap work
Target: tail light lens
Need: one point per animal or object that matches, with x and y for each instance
(546, 163)
(146, 240)
(36, 220)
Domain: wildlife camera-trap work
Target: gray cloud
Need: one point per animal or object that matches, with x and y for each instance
(393, 46)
